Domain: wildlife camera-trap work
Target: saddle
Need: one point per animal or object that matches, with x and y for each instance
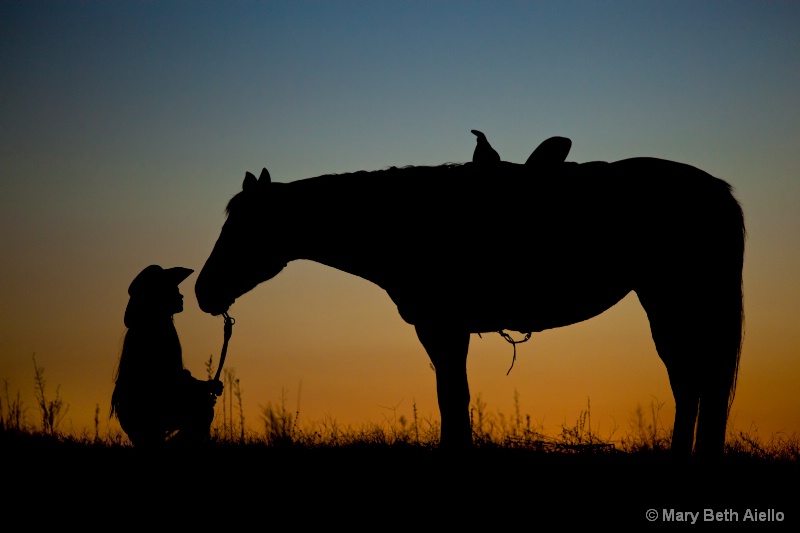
(552, 151)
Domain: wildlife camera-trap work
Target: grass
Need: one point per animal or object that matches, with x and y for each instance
(281, 429)
(396, 466)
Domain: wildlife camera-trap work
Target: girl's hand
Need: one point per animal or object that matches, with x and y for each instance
(215, 387)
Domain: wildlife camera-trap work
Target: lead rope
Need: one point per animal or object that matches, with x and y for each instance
(228, 331)
(514, 343)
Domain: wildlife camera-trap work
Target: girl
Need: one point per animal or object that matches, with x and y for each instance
(155, 399)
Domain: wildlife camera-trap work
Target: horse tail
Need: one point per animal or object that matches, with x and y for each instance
(725, 320)
(737, 332)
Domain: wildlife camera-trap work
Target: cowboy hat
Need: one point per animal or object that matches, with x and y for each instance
(149, 287)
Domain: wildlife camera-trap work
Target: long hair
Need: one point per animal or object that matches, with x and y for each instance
(150, 361)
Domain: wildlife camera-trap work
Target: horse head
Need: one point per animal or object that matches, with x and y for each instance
(238, 262)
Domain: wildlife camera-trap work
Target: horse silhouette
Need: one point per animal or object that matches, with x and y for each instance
(591, 232)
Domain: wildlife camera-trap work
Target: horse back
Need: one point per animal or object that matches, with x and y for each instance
(508, 245)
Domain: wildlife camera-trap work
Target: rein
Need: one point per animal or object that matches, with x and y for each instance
(228, 331)
(514, 343)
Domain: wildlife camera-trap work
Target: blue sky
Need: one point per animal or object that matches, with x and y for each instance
(259, 80)
(126, 126)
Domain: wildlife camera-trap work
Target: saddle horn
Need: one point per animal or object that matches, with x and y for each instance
(484, 153)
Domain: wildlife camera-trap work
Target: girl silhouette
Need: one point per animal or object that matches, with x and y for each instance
(156, 399)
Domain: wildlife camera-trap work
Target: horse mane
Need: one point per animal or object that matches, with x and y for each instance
(412, 171)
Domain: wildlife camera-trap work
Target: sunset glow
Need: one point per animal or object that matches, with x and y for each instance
(127, 127)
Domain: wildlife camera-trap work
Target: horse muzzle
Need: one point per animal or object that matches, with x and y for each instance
(216, 310)
(213, 302)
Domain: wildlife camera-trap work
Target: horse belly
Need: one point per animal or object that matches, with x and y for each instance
(539, 308)
(502, 304)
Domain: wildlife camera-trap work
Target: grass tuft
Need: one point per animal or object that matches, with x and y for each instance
(282, 428)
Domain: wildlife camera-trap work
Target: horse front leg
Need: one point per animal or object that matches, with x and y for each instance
(447, 349)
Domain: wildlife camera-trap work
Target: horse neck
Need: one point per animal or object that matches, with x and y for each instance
(326, 222)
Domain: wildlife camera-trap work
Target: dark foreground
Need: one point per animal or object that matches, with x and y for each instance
(392, 487)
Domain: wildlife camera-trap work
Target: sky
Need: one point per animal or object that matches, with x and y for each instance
(125, 127)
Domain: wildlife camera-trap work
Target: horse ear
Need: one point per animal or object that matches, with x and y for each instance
(249, 181)
(264, 177)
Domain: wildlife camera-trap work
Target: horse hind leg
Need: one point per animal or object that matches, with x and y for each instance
(680, 344)
(716, 373)
(723, 326)
(697, 334)
(685, 388)
(447, 349)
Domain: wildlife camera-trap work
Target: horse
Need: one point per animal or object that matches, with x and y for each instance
(594, 231)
